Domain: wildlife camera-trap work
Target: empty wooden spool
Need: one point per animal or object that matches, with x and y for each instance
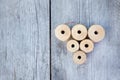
(79, 32)
(96, 33)
(72, 45)
(63, 32)
(87, 45)
(79, 57)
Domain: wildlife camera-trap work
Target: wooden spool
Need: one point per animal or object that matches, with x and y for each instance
(63, 32)
(96, 33)
(79, 32)
(79, 57)
(72, 45)
(86, 45)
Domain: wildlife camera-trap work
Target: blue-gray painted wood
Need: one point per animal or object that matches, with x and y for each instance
(24, 40)
(104, 62)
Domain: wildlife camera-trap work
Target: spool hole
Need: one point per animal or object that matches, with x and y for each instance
(79, 32)
(62, 32)
(95, 32)
(79, 57)
(72, 45)
(86, 45)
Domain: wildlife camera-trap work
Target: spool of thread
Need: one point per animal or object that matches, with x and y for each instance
(63, 32)
(87, 45)
(96, 33)
(79, 32)
(79, 57)
(72, 45)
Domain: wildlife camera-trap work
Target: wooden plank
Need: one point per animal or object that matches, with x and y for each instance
(103, 62)
(24, 40)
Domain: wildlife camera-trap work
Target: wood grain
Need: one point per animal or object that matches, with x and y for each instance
(103, 62)
(24, 40)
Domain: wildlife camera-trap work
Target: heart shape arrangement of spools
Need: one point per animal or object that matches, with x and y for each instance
(80, 40)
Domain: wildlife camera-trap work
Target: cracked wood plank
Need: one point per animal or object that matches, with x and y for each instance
(24, 40)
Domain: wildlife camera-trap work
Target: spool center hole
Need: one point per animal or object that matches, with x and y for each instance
(72, 45)
(86, 45)
(95, 32)
(62, 32)
(79, 57)
(79, 31)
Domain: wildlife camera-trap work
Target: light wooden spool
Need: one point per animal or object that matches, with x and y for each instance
(63, 32)
(79, 32)
(87, 45)
(96, 33)
(79, 57)
(72, 45)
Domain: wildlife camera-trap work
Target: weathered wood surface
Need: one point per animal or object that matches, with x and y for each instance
(24, 40)
(103, 62)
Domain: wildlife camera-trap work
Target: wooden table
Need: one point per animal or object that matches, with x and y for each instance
(29, 49)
